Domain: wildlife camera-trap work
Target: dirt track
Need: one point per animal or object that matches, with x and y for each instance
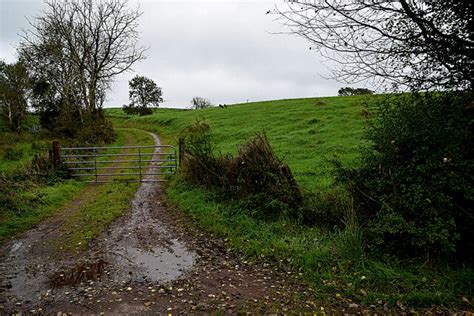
(150, 260)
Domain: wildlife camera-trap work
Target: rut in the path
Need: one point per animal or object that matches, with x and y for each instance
(136, 248)
(139, 248)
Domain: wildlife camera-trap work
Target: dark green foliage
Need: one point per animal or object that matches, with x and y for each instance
(133, 110)
(144, 93)
(348, 91)
(415, 187)
(263, 184)
(331, 209)
(12, 153)
(85, 127)
(96, 129)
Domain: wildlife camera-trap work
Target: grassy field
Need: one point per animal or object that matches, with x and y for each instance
(308, 133)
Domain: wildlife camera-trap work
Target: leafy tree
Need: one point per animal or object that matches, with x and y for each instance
(200, 103)
(418, 44)
(144, 92)
(347, 91)
(14, 93)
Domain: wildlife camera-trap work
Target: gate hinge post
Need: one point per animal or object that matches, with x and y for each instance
(56, 158)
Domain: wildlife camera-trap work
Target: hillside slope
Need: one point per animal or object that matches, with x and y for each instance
(307, 133)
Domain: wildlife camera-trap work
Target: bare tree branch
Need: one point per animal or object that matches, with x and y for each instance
(80, 45)
(419, 44)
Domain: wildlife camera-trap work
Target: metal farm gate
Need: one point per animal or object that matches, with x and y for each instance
(124, 163)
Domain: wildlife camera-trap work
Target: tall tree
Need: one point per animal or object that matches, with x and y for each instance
(420, 44)
(78, 46)
(144, 92)
(14, 92)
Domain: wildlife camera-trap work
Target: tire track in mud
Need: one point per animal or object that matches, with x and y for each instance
(128, 250)
(26, 261)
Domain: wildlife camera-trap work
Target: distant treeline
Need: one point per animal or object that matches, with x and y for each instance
(346, 91)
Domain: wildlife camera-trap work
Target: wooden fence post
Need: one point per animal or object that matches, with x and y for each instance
(56, 158)
(182, 150)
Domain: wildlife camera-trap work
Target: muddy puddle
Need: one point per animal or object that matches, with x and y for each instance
(82, 272)
(156, 264)
(138, 248)
(142, 249)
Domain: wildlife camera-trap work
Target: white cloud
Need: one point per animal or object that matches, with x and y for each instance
(221, 49)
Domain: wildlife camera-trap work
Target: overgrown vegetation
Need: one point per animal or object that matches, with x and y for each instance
(30, 193)
(261, 183)
(414, 191)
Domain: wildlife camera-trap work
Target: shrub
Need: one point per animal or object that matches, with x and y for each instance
(12, 153)
(332, 209)
(256, 176)
(137, 110)
(17, 192)
(10, 194)
(84, 126)
(96, 129)
(414, 189)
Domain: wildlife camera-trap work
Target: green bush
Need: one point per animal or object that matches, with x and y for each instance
(86, 127)
(256, 177)
(12, 153)
(96, 129)
(332, 209)
(17, 188)
(414, 189)
(137, 110)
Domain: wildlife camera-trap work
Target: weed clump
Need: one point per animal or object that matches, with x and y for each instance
(17, 188)
(12, 153)
(262, 183)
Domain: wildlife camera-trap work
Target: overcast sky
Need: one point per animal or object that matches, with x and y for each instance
(224, 50)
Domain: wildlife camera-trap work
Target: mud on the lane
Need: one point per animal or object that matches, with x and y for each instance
(137, 249)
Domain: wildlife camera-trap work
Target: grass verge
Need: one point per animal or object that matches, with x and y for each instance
(334, 262)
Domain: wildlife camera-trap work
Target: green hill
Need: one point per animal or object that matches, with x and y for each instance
(307, 133)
